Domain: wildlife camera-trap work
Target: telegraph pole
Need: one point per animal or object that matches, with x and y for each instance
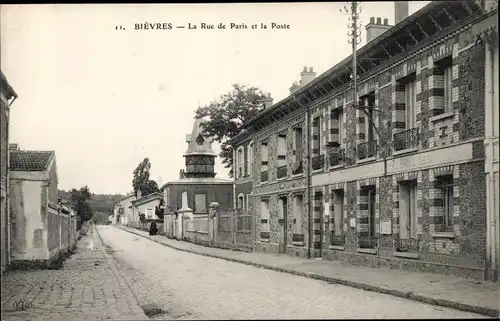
(354, 34)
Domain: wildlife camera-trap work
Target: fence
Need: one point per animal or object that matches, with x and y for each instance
(224, 228)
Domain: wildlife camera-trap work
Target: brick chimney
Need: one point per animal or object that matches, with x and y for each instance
(139, 193)
(268, 102)
(376, 28)
(182, 174)
(400, 11)
(294, 88)
(306, 76)
(13, 146)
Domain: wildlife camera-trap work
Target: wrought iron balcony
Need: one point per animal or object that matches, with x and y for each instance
(407, 139)
(407, 245)
(336, 156)
(265, 235)
(298, 238)
(367, 149)
(282, 171)
(338, 240)
(264, 176)
(367, 242)
(318, 162)
(297, 168)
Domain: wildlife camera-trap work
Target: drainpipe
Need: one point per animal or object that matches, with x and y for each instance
(491, 226)
(309, 179)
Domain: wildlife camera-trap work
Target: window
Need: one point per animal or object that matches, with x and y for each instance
(241, 201)
(264, 219)
(250, 159)
(369, 101)
(317, 139)
(408, 210)
(448, 86)
(448, 202)
(240, 162)
(410, 102)
(281, 163)
(200, 203)
(338, 211)
(149, 213)
(264, 163)
(298, 208)
(297, 144)
(341, 126)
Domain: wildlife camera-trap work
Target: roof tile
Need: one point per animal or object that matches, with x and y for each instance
(29, 161)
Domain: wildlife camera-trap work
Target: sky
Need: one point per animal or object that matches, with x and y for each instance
(104, 99)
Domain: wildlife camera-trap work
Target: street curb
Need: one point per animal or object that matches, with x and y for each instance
(363, 286)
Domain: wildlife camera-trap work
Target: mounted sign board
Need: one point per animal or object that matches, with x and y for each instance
(385, 227)
(326, 210)
(352, 222)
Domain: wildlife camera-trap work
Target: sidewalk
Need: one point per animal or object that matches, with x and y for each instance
(88, 287)
(462, 294)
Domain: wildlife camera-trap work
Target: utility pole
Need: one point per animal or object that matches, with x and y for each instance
(354, 34)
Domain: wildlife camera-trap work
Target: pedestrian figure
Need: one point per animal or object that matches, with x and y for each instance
(153, 229)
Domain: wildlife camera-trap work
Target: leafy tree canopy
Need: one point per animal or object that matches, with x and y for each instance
(141, 179)
(79, 202)
(224, 118)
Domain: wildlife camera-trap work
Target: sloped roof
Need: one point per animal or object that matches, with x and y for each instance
(29, 161)
(197, 144)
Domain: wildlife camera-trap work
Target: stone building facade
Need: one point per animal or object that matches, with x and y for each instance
(8, 95)
(396, 180)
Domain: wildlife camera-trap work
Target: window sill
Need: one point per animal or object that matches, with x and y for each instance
(442, 117)
(405, 151)
(366, 160)
(332, 168)
(315, 171)
(298, 244)
(406, 255)
(446, 235)
(297, 175)
(367, 251)
(336, 248)
(264, 240)
(281, 178)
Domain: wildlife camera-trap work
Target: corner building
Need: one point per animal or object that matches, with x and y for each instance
(402, 186)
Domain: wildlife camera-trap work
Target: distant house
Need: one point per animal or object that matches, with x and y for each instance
(146, 205)
(8, 95)
(123, 210)
(34, 205)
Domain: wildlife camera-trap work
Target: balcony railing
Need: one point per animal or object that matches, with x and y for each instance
(367, 242)
(298, 238)
(318, 162)
(264, 176)
(407, 245)
(282, 171)
(407, 139)
(297, 168)
(367, 149)
(337, 240)
(336, 156)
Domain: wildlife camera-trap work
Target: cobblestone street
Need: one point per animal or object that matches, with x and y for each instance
(190, 286)
(88, 287)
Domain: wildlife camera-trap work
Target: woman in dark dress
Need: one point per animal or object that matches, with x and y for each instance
(153, 229)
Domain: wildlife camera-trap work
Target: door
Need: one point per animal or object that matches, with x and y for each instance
(283, 215)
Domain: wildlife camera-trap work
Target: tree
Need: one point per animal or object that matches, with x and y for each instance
(224, 118)
(141, 175)
(141, 179)
(79, 202)
(149, 188)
